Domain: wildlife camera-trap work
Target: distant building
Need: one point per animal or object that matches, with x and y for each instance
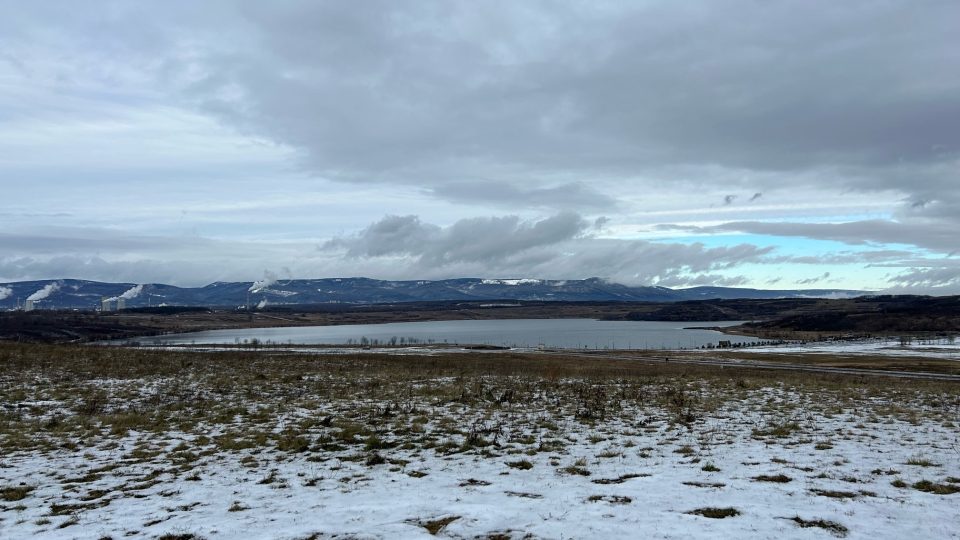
(106, 305)
(28, 306)
(121, 303)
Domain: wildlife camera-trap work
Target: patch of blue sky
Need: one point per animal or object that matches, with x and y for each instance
(806, 276)
(791, 246)
(847, 215)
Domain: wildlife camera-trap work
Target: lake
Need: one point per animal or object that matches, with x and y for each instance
(560, 333)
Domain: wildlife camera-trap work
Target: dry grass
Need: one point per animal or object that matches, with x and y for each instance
(55, 396)
(778, 478)
(434, 526)
(15, 493)
(831, 526)
(715, 513)
(374, 411)
(938, 489)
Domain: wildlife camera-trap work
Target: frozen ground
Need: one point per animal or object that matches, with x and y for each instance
(946, 349)
(309, 448)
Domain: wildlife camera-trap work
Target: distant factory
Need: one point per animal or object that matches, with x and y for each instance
(115, 303)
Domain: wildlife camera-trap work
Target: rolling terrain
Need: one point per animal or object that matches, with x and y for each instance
(81, 294)
(787, 318)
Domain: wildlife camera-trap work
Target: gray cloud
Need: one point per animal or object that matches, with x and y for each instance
(779, 85)
(59, 240)
(110, 255)
(938, 235)
(406, 247)
(436, 93)
(871, 257)
(554, 247)
(811, 281)
(146, 270)
(594, 109)
(396, 247)
(467, 240)
(928, 280)
(573, 195)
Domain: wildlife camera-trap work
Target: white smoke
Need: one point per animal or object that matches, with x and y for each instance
(132, 293)
(262, 304)
(5, 292)
(269, 278)
(45, 291)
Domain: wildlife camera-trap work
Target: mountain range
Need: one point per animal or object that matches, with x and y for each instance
(81, 294)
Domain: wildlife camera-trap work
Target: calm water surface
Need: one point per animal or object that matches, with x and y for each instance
(566, 333)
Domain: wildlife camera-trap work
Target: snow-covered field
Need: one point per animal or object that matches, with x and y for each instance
(245, 447)
(940, 348)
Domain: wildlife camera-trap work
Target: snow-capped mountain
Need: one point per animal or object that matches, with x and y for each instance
(80, 294)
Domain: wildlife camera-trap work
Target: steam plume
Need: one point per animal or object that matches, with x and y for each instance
(5, 292)
(132, 293)
(269, 278)
(46, 291)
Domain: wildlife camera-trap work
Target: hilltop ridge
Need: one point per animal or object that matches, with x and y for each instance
(84, 294)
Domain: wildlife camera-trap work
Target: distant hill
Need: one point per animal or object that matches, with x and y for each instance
(779, 317)
(81, 294)
(868, 315)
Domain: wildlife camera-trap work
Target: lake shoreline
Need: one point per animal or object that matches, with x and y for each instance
(573, 334)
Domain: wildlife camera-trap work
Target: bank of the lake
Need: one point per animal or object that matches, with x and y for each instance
(560, 333)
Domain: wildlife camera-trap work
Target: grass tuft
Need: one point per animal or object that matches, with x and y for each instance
(522, 464)
(832, 526)
(434, 526)
(715, 513)
(15, 493)
(927, 486)
(779, 478)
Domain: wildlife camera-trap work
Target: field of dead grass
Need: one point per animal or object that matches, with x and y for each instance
(106, 442)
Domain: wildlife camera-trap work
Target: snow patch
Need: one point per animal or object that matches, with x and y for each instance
(628, 477)
(944, 348)
(511, 282)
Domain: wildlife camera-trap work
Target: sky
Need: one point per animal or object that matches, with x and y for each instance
(784, 144)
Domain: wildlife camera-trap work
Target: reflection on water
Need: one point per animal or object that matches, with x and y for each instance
(565, 333)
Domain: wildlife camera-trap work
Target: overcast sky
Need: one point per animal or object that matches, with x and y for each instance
(770, 144)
